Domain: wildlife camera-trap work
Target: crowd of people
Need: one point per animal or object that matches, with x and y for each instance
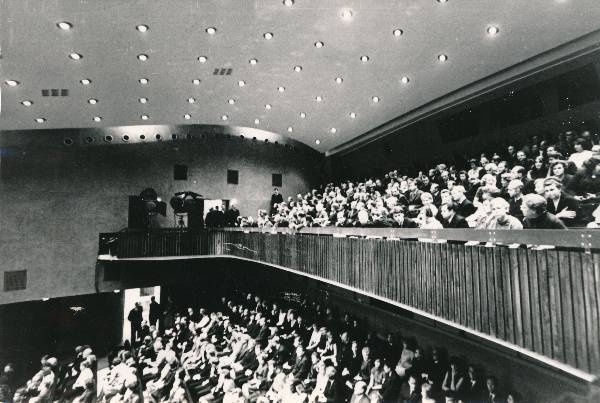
(542, 185)
(70, 381)
(248, 349)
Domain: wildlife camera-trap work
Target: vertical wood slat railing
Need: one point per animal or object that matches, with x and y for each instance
(545, 301)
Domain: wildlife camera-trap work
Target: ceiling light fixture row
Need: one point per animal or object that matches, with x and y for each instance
(26, 103)
(142, 28)
(143, 81)
(12, 83)
(75, 56)
(85, 81)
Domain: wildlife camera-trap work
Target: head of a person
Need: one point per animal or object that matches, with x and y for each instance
(592, 166)
(366, 352)
(511, 149)
(426, 199)
(533, 206)
(552, 187)
(448, 210)
(538, 185)
(491, 383)
(276, 191)
(580, 145)
(458, 193)
(558, 168)
(359, 388)
(488, 180)
(427, 390)
(521, 156)
(499, 207)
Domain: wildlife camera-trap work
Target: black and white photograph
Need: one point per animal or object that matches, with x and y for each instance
(300, 201)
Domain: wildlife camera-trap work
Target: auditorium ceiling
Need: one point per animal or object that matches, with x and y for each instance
(321, 72)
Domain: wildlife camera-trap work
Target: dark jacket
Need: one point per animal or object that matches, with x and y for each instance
(457, 221)
(544, 221)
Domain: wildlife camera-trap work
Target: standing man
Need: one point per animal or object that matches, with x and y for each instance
(276, 198)
(155, 313)
(135, 319)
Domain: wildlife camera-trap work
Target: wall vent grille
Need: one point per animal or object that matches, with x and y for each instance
(15, 280)
(55, 92)
(222, 72)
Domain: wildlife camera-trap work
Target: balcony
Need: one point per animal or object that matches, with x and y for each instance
(535, 292)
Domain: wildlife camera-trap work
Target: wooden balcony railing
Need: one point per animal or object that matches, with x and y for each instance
(544, 301)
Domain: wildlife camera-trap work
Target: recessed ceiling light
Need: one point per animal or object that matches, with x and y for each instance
(224, 117)
(256, 121)
(85, 81)
(297, 69)
(319, 44)
(211, 30)
(302, 115)
(27, 103)
(187, 116)
(142, 28)
(192, 100)
(339, 80)
(40, 120)
(253, 61)
(11, 83)
(442, 57)
(397, 32)
(97, 119)
(333, 130)
(318, 98)
(288, 3)
(281, 89)
(352, 115)
(404, 80)
(92, 101)
(268, 106)
(143, 81)
(231, 101)
(290, 129)
(196, 81)
(145, 117)
(202, 59)
(346, 14)
(142, 57)
(317, 141)
(75, 56)
(492, 30)
(143, 100)
(364, 58)
(375, 99)
(442, 1)
(241, 83)
(64, 25)
(268, 35)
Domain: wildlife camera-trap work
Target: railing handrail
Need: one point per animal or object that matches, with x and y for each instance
(572, 238)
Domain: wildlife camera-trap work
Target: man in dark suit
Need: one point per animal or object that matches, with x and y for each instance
(400, 220)
(135, 319)
(464, 207)
(534, 209)
(558, 202)
(302, 363)
(450, 218)
(390, 390)
(410, 391)
(276, 198)
(515, 192)
(331, 391)
(155, 313)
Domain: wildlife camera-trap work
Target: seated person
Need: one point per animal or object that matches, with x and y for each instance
(536, 215)
(500, 218)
